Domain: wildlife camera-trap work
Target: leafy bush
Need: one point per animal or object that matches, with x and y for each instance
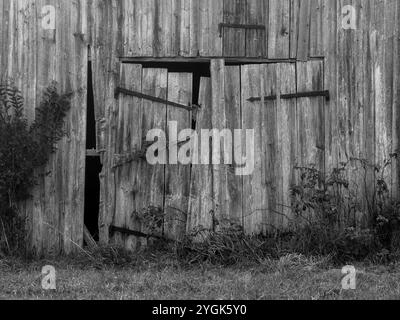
(23, 149)
(322, 203)
(319, 198)
(321, 227)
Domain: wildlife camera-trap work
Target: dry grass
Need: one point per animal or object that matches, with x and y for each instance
(291, 277)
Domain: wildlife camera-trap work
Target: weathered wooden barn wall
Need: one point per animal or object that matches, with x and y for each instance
(35, 57)
(359, 68)
(310, 49)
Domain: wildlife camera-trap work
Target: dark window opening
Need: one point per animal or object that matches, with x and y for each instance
(198, 69)
(93, 166)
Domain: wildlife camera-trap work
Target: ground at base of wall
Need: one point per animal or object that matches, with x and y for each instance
(285, 279)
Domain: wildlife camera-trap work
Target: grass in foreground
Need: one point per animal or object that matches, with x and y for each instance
(292, 277)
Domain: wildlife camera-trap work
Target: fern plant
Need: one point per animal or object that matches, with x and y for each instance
(23, 149)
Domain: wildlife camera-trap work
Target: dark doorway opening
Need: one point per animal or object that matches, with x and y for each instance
(92, 195)
(93, 166)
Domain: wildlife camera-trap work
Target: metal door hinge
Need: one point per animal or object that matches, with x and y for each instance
(310, 94)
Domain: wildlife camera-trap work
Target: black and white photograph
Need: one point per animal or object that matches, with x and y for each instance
(211, 152)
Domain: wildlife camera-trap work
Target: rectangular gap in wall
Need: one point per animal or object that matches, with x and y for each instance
(93, 165)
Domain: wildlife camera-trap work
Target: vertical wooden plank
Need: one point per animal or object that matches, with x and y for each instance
(164, 28)
(255, 39)
(286, 141)
(303, 42)
(395, 103)
(129, 140)
(201, 202)
(210, 16)
(381, 130)
(145, 13)
(346, 100)
(184, 45)
(316, 30)
(131, 27)
(369, 94)
(4, 35)
(218, 119)
(359, 66)
(330, 45)
(106, 35)
(278, 29)
(226, 115)
(195, 28)
(310, 116)
(255, 193)
(176, 31)
(271, 166)
(294, 27)
(13, 51)
(48, 190)
(161, 27)
(389, 35)
(216, 16)
(204, 27)
(151, 178)
(234, 40)
(353, 91)
(382, 60)
(74, 80)
(20, 54)
(177, 176)
(233, 205)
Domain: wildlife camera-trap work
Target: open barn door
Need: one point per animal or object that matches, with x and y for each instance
(151, 194)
